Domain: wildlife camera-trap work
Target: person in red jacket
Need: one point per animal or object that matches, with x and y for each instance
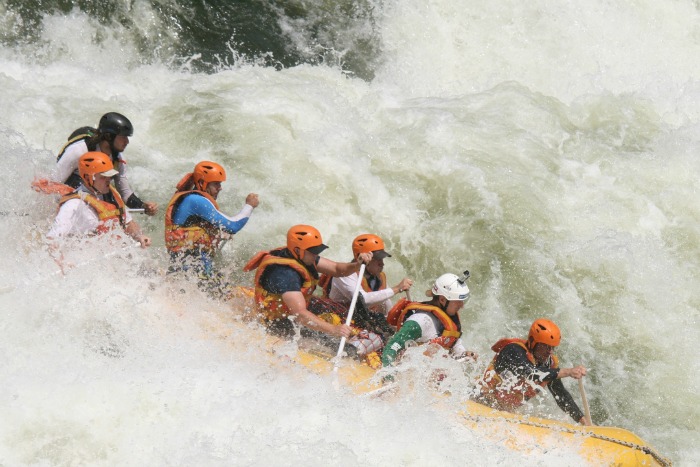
(523, 368)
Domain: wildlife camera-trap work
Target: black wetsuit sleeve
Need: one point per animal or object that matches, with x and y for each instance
(564, 399)
(134, 202)
(513, 358)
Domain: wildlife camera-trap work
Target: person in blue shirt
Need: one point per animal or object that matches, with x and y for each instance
(195, 228)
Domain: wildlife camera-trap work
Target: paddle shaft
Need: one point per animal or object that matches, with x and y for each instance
(586, 410)
(351, 310)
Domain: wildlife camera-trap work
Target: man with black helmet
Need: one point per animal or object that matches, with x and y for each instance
(110, 137)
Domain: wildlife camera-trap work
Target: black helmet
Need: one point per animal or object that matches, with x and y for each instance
(116, 124)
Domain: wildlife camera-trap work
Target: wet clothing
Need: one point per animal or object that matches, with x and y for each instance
(374, 291)
(421, 326)
(279, 272)
(514, 364)
(274, 278)
(76, 216)
(195, 209)
(66, 170)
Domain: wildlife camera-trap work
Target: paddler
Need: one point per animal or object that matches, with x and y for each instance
(195, 227)
(435, 322)
(377, 295)
(523, 368)
(374, 302)
(95, 206)
(110, 137)
(286, 278)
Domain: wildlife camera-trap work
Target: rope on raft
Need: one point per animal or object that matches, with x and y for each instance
(645, 449)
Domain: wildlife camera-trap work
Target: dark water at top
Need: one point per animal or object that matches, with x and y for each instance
(274, 33)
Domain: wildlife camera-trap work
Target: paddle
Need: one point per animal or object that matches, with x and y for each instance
(586, 410)
(348, 320)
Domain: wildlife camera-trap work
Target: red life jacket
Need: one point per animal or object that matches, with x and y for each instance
(404, 308)
(509, 398)
(109, 215)
(270, 306)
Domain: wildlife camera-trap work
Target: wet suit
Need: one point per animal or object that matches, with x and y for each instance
(513, 359)
(194, 208)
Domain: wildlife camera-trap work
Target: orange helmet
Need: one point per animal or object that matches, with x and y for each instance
(544, 331)
(92, 163)
(367, 243)
(207, 172)
(305, 238)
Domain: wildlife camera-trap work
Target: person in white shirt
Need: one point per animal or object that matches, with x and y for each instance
(375, 292)
(95, 207)
(435, 322)
(111, 137)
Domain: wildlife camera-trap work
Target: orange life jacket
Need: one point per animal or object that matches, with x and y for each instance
(404, 308)
(109, 215)
(325, 283)
(49, 187)
(382, 283)
(270, 306)
(200, 235)
(509, 398)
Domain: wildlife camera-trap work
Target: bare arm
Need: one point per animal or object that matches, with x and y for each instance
(576, 372)
(133, 230)
(296, 303)
(334, 269)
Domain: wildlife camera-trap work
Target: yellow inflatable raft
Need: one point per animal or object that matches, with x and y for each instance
(599, 445)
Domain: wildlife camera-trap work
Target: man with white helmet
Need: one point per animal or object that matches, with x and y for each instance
(435, 321)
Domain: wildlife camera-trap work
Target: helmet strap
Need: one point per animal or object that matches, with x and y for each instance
(530, 343)
(91, 183)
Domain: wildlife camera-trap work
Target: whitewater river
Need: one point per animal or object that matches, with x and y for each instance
(551, 148)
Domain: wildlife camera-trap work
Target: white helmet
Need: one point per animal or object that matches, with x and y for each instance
(451, 287)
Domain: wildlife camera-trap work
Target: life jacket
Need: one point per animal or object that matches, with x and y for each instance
(197, 234)
(509, 398)
(270, 306)
(110, 215)
(49, 187)
(404, 309)
(325, 283)
(81, 134)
